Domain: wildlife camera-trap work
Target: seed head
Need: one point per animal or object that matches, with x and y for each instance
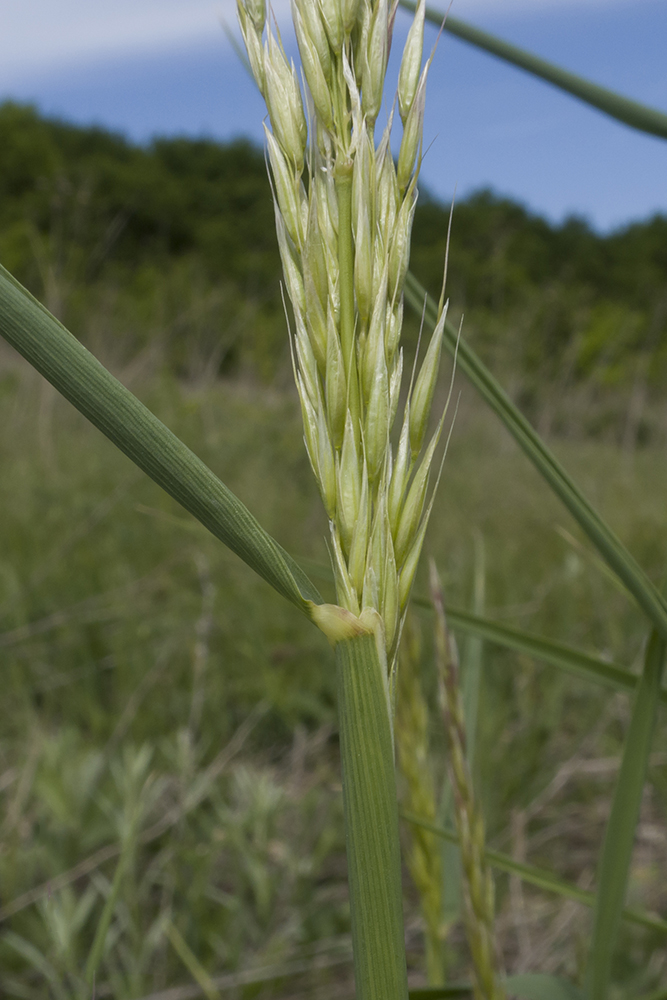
(344, 239)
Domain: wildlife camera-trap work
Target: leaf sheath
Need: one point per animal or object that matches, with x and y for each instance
(371, 822)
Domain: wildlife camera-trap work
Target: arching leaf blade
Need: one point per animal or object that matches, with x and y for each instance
(616, 857)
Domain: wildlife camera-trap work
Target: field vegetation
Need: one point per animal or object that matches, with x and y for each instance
(168, 745)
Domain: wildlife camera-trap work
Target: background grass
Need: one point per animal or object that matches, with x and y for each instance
(134, 647)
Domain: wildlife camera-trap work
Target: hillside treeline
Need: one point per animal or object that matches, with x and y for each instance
(171, 246)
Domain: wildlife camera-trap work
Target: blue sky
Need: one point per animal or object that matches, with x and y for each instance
(147, 67)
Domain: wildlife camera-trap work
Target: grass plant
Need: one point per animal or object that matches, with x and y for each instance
(344, 239)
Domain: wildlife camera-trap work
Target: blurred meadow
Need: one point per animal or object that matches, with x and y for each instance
(168, 746)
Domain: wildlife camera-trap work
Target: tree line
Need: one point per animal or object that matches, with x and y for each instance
(175, 240)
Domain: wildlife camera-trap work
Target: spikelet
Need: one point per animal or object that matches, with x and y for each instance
(344, 216)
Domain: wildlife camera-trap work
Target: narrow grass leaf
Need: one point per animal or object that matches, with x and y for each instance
(371, 822)
(538, 986)
(60, 358)
(612, 550)
(619, 839)
(590, 668)
(621, 108)
(540, 878)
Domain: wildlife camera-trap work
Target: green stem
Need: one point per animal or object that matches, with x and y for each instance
(346, 284)
(371, 822)
(619, 838)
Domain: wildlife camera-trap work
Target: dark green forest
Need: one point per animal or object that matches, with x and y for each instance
(172, 246)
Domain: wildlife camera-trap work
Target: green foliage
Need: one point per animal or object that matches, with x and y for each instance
(102, 596)
(87, 218)
(112, 712)
(171, 246)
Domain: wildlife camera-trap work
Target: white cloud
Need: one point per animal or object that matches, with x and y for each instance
(39, 36)
(42, 35)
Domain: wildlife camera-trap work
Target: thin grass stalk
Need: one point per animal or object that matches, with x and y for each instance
(635, 580)
(424, 855)
(478, 885)
(471, 681)
(371, 822)
(616, 857)
(43, 341)
(618, 107)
